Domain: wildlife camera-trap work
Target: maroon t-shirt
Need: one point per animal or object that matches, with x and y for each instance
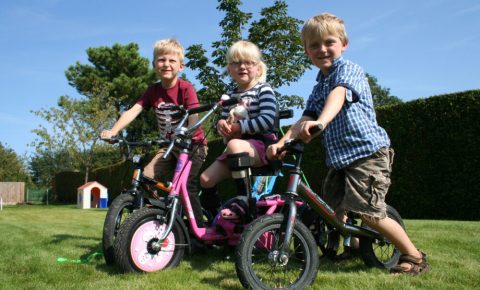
(182, 94)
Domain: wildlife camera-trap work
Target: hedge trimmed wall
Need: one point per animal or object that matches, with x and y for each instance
(436, 165)
(436, 169)
(65, 186)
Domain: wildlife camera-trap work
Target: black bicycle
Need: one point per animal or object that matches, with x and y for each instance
(279, 251)
(141, 190)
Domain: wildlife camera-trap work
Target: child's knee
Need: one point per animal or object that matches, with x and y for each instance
(206, 181)
(203, 180)
(236, 146)
(148, 172)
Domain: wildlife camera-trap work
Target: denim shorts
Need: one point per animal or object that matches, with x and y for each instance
(361, 187)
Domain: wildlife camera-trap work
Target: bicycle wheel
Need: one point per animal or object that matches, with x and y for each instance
(137, 248)
(327, 238)
(381, 254)
(118, 211)
(258, 248)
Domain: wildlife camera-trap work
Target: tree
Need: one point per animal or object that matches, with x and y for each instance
(276, 34)
(381, 95)
(45, 163)
(124, 75)
(76, 126)
(13, 168)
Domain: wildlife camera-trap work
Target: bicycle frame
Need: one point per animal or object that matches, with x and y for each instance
(179, 189)
(138, 179)
(296, 188)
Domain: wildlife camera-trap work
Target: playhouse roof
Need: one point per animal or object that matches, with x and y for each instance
(91, 184)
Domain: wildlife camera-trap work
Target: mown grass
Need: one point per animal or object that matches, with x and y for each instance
(32, 238)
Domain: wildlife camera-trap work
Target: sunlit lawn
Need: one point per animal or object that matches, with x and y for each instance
(33, 238)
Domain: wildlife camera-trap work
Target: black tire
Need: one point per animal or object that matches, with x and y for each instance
(327, 238)
(381, 254)
(118, 211)
(135, 243)
(259, 242)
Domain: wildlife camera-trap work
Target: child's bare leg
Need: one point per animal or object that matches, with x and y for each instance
(215, 173)
(395, 234)
(239, 146)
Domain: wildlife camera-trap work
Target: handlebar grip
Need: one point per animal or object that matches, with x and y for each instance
(230, 102)
(200, 109)
(111, 140)
(315, 130)
(285, 114)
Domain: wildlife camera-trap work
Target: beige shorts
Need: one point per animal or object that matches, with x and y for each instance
(163, 170)
(362, 186)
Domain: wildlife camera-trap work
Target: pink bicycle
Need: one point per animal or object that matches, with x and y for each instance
(156, 237)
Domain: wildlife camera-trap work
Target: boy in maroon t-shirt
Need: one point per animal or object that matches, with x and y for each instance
(168, 57)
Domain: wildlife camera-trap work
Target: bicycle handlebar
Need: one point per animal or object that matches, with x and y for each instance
(122, 140)
(291, 143)
(183, 132)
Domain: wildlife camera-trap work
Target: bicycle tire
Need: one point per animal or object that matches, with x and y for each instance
(134, 246)
(381, 254)
(259, 242)
(120, 208)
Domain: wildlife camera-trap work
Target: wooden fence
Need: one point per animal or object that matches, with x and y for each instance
(12, 192)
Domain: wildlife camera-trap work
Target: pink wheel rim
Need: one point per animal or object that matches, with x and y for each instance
(139, 248)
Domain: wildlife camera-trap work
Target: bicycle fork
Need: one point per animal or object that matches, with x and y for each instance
(281, 256)
(172, 211)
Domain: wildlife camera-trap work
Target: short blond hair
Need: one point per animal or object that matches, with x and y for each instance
(246, 50)
(320, 25)
(165, 46)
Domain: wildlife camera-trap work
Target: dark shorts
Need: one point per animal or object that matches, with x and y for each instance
(361, 187)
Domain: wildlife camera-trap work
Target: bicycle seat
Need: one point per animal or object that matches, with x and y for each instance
(272, 169)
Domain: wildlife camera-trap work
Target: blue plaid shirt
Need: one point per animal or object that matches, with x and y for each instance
(354, 133)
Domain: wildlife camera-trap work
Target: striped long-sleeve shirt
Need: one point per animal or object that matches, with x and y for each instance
(261, 105)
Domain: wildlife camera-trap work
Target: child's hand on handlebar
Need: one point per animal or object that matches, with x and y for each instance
(304, 133)
(273, 150)
(107, 134)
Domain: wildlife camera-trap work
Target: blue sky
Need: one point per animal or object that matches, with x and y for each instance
(416, 48)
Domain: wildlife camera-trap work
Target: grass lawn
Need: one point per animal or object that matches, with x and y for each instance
(32, 238)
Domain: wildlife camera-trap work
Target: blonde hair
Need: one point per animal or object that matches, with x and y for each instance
(320, 25)
(246, 50)
(165, 46)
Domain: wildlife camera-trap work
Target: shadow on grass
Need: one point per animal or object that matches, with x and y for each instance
(65, 237)
(346, 266)
(213, 259)
(205, 260)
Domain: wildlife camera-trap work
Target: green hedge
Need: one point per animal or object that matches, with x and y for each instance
(65, 186)
(436, 166)
(116, 178)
